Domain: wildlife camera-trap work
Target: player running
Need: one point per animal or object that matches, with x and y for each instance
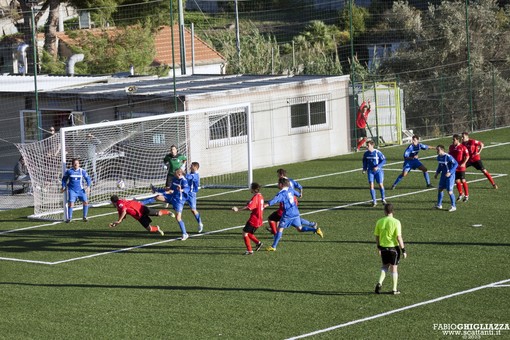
(446, 167)
(256, 206)
(139, 212)
(193, 179)
(73, 181)
(461, 155)
(412, 162)
(373, 162)
(475, 147)
(290, 216)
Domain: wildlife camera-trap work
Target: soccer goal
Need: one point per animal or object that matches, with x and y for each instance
(131, 152)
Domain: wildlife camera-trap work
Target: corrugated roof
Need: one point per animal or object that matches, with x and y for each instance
(192, 85)
(19, 83)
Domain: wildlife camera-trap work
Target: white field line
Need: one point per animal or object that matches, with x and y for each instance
(230, 228)
(218, 231)
(398, 310)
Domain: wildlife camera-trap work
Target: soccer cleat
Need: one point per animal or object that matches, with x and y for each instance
(319, 232)
(384, 202)
(68, 221)
(269, 229)
(270, 249)
(374, 204)
(395, 292)
(161, 232)
(200, 228)
(495, 186)
(430, 186)
(153, 188)
(167, 206)
(171, 214)
(258, 246)
(439, 207)
(466, 198)
(378, 287)
(452, 209)
(184, 237)
(460, 198)
(85, 219)
(393, 187)
(248, 252)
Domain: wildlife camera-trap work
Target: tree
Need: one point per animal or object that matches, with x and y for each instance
(433, 64)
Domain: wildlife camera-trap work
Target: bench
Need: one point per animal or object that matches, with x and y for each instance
(7, 179)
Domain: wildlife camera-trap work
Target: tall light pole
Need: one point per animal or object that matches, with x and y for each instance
(32, 3)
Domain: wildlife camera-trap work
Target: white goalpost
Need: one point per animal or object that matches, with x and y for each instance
(132, 151)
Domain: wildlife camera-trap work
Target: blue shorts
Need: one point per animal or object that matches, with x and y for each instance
(411, 165)
(192, 200)
(178, 205)
(378, 176)
(286, 222)
(73, 196)
(447, 182)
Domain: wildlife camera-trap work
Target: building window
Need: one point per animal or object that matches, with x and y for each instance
(308, 114)
(228, 129)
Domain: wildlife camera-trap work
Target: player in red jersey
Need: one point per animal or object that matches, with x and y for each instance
(256, 206)
(475, 148)
(361, 123)
(138, 211)
(461, 155)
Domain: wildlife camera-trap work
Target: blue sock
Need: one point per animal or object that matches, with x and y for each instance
(452, 199)
(148, 201)
(305, 229)
(440, 198)
(427, 177)
(197, 217)
(383, 193)
(372, 193)
(277, 238)
(306, 223)
(69, 213)
(182, 226)
(399, 178)
(85, 210)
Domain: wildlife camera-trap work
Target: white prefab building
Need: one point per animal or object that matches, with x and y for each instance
(295, 118)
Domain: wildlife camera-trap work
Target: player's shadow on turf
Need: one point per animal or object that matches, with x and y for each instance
(185, 288)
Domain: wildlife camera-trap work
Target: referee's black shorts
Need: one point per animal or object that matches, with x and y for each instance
(390, 255)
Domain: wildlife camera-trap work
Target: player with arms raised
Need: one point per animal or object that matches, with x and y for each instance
(461, 155)
(475, 147)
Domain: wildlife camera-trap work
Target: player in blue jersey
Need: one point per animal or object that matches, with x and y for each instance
(290, 216)
(176, 195)
(193, 178)
(73, 181)
(446, 167)
(298, 188)
(412, 162)
(373, 162)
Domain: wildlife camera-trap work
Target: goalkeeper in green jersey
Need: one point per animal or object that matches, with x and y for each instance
(173, 161)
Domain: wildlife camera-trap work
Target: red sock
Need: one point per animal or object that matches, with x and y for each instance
(247, 242)
(459, 187)
(465, 185)
(253, 238)
(153, 229)
(489, 177)
(165, 212)
(360, 143)
(272, 224)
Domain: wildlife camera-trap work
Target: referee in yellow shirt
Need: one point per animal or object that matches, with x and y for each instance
(388, 237)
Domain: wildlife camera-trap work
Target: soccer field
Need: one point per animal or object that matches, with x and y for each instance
(85, 280)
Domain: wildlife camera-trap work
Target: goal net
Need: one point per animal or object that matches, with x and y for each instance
(132, 151)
